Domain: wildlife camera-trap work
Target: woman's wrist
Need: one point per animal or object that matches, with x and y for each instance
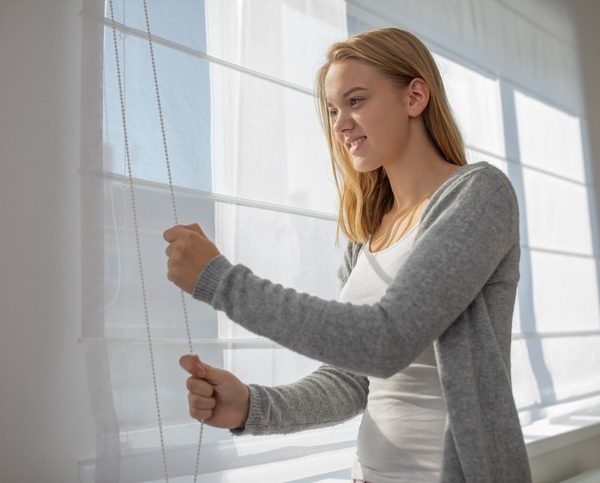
(246, 411)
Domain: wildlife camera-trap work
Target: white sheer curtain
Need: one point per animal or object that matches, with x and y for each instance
(250, 164)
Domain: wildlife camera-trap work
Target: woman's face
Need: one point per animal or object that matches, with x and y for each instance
(368, 113)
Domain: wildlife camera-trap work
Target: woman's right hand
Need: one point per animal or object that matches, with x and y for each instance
(215, 396)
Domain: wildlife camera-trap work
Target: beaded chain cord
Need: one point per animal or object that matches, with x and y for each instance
(136, 226)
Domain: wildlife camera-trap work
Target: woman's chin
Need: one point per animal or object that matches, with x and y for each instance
(364, 166)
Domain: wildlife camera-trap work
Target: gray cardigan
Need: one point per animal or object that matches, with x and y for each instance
(457, 289)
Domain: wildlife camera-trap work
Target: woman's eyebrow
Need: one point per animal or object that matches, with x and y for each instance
(350, 91)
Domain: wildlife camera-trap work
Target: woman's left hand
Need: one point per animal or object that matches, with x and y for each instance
(189, 251)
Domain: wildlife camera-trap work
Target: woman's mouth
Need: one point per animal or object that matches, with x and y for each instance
(355, 144)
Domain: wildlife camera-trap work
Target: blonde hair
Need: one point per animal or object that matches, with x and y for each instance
(366, 197)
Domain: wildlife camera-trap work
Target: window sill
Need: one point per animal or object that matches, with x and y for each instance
(542, 436)
(558, 432)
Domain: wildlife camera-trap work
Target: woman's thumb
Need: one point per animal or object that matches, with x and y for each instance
(195, 227)
(210, 374)
(192, 364)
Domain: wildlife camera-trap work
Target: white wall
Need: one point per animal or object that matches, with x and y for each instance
(587, 14)
(45, 417)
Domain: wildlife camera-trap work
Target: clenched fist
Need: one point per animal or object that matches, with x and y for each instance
(189, 251)
(215, 396)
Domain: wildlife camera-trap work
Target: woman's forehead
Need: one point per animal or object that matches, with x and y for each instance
(348, 74)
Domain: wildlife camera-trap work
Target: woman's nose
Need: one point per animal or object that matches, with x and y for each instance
(343, 122)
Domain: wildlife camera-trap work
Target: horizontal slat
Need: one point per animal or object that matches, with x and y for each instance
(207, 195)
(565, 417)
(228, 343)
(197, 53)
(243, 453)
(589, 184)
(565, 253)
(554, 334)
(562, 406)
(262, 205)
(245, 343)
(203, 55)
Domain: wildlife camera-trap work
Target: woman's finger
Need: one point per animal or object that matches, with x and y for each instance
(199, 387)
(200, 402)
(200, 414)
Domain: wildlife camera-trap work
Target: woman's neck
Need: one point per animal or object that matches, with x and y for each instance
(418, 172)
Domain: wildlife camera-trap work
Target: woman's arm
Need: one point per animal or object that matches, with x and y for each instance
(465, 232)
(325, 397)
(338, 395)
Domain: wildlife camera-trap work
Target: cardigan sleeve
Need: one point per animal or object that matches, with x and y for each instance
(325, 397)
(465, 232)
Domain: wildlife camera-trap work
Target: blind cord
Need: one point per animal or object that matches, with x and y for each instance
(136, 228)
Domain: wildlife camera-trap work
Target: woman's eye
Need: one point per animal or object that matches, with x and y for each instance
(332, 113)
(354, 100)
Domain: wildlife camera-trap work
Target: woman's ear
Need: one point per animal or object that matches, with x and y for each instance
(418, 96)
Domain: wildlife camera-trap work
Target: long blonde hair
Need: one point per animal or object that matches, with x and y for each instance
(366, 197)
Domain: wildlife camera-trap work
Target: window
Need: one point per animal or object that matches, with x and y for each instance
(249, 163)
(234, 78)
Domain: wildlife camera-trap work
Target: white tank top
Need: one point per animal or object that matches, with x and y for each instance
(402, 429)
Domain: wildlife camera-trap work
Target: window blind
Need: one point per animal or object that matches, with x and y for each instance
(250, 165)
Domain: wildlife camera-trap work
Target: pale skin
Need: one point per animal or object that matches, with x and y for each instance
(396, 138)
(215, 396)
(389, 119)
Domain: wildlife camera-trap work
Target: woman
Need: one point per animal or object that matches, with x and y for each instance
(419, 339)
